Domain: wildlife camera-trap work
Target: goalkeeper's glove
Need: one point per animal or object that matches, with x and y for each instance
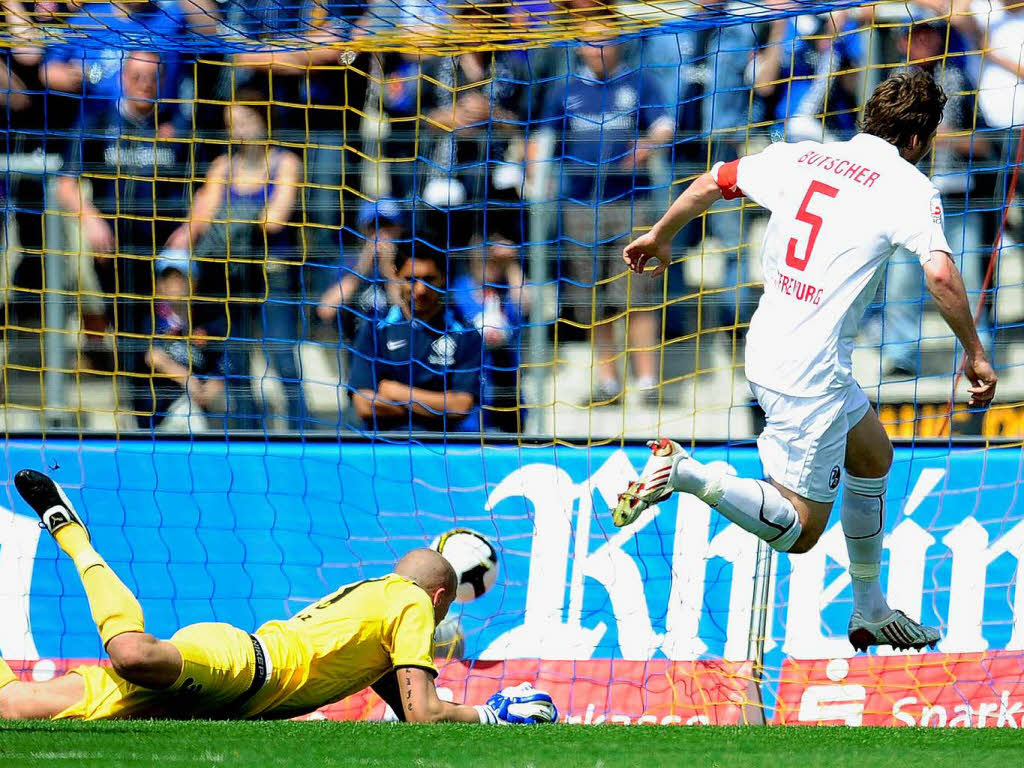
(522, 704)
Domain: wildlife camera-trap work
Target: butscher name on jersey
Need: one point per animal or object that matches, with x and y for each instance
(859, 174)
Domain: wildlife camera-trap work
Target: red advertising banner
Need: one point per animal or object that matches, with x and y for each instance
(939, 690)
(656, 692)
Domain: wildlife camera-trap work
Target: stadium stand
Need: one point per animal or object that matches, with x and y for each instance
(527, 153)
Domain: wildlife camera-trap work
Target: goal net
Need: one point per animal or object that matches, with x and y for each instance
(216, 214)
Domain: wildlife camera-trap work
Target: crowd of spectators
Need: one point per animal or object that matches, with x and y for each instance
(224, 205)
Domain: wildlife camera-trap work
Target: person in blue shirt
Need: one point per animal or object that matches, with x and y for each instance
(140, 182)
(962, 153)
(319, 95)
(360, 292)
(185, 352)
(605, 120)
(419, 368)
(92, 74)
(807, 72)
(489, 295)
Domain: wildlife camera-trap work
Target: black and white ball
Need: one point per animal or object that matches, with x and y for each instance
(474, 559)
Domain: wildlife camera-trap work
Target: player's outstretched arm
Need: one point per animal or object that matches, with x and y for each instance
(657, 243)
(410, 692)
(416, 701)
(947, 288)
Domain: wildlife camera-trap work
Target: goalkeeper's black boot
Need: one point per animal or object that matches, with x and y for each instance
(48, 500)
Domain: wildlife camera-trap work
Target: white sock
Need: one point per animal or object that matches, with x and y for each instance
(863, 518)
(754, 505)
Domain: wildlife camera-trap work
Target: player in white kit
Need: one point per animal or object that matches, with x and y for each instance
(838, 212)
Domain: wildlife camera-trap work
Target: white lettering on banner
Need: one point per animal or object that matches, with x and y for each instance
(690, 555)
(19, 537)
(587, 718)
(686, 596)
(563, 512)
(615, 570)
(550, 631)
(925, 484)
(984, 714)
(543, 634)
(908, 546)
(808, 594)
(843, 702)
(972, 554)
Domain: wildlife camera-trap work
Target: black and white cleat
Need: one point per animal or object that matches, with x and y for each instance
(48, 500)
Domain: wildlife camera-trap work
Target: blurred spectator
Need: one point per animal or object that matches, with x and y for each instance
(480, 102)
(319, 95)
(361, 294)
(418, 368)
(999, 32)
(140, 183)
(23, 125)
(707, 72)
(489, 295)
(36, 124)
(395, 98)
(92, 74)
(960, 151)
(242, 236)
(795, 72)
(186, 353)
(607, 120)
(1001, 91)
(728, 109)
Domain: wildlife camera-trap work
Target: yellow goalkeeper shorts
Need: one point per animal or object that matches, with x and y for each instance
(218, 668)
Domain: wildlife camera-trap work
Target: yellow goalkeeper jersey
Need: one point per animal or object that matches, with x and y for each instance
(344, 643)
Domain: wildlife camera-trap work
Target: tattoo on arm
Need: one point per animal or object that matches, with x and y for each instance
(408, 691)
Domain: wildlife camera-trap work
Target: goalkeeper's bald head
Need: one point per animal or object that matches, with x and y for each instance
(433, 574)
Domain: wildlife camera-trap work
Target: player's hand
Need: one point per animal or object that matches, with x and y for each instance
(982, 375)
(643, 249)
(523, 705)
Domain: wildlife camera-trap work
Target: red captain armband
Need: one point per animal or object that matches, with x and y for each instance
(726, 176)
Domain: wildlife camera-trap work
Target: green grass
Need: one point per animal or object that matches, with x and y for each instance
(110, 745)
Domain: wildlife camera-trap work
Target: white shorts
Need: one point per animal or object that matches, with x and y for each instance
(803, 445)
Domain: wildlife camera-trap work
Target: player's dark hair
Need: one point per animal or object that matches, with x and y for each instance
(420, 250)
(906, 105)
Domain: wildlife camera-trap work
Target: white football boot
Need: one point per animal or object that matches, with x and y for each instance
(897, 630)
(652, 487)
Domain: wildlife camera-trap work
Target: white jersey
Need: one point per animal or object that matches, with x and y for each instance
(838, 212)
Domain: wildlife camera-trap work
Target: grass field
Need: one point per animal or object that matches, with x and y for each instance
(380, 744)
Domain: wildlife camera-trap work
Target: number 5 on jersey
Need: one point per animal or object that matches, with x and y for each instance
(815, 222)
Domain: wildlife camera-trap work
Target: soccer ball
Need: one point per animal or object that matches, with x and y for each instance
(474, 559)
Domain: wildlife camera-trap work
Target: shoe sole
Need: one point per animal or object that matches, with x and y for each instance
(625, 511)
(861, 639)
(632, 504)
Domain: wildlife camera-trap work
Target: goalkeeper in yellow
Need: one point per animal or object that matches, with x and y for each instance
(377, 632)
